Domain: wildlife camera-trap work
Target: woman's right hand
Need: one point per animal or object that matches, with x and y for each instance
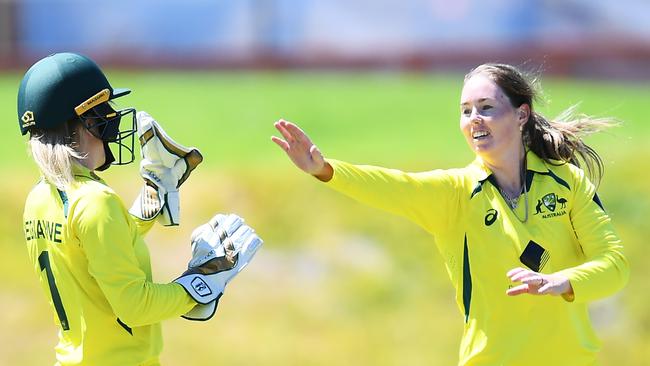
(302, 152)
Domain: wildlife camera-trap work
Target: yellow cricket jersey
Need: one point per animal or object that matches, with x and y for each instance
(95, 269)
(481, 239)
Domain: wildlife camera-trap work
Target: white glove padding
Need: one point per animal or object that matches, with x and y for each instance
(220, 250)
(203, 312)
(165, 165)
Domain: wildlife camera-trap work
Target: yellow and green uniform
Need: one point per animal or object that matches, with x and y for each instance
(481, 239)
(95, 269)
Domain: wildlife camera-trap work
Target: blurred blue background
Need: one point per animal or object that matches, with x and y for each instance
(577, 37)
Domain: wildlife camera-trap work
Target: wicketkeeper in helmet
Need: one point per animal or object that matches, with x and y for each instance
(86, 246)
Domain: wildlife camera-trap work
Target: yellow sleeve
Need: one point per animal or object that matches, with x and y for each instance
(606, 269)
(144, 226)
(109, 238)
(429, 199)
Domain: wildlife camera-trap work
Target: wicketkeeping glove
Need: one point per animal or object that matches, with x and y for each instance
(220, 250)
(165, 165)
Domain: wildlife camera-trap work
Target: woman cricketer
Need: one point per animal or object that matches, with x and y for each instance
(86, 247)
(526, 241)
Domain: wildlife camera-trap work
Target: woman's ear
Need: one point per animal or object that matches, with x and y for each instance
(523, 114)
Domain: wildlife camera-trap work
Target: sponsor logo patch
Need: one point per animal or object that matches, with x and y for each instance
(201, 287)
(534, 256)
(28, 119)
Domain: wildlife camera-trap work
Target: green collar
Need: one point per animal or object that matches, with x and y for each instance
(79, 170)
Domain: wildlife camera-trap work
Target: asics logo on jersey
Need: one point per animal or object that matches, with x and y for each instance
(491, 216)
(551, 202)
(201, 287)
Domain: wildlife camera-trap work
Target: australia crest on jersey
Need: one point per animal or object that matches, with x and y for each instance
(551, 205)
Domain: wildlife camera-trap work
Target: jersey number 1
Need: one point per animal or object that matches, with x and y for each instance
(44, 262)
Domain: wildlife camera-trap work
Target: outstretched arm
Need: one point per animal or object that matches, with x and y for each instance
(428, 198)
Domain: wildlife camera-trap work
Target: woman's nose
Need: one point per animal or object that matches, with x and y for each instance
(475, 117)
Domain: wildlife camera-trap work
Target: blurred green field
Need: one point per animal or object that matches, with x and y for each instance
(336, 282)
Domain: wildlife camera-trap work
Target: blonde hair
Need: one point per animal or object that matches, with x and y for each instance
(54, 151)
(560, 139)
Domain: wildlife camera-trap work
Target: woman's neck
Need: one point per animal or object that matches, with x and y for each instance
(509, 172)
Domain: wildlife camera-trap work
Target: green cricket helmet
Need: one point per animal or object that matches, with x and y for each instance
(65, 86)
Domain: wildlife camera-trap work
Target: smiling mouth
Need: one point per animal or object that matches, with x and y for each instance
(478, 135)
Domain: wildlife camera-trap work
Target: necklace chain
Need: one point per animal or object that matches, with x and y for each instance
(512, 202)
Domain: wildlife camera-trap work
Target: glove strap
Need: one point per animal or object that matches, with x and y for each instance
(169, 216)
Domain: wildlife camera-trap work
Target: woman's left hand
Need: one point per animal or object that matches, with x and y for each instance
(535, 283)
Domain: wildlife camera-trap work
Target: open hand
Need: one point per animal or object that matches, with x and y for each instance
(535, 283)
(302, 152)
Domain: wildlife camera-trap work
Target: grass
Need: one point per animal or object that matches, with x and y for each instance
(336, 282)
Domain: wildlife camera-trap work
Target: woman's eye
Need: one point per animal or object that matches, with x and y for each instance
(466, 112)
(486, 107)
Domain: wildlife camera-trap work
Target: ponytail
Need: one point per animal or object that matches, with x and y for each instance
(54, 152)
(561, 140)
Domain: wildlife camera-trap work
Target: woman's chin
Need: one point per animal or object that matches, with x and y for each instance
(482, 147)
